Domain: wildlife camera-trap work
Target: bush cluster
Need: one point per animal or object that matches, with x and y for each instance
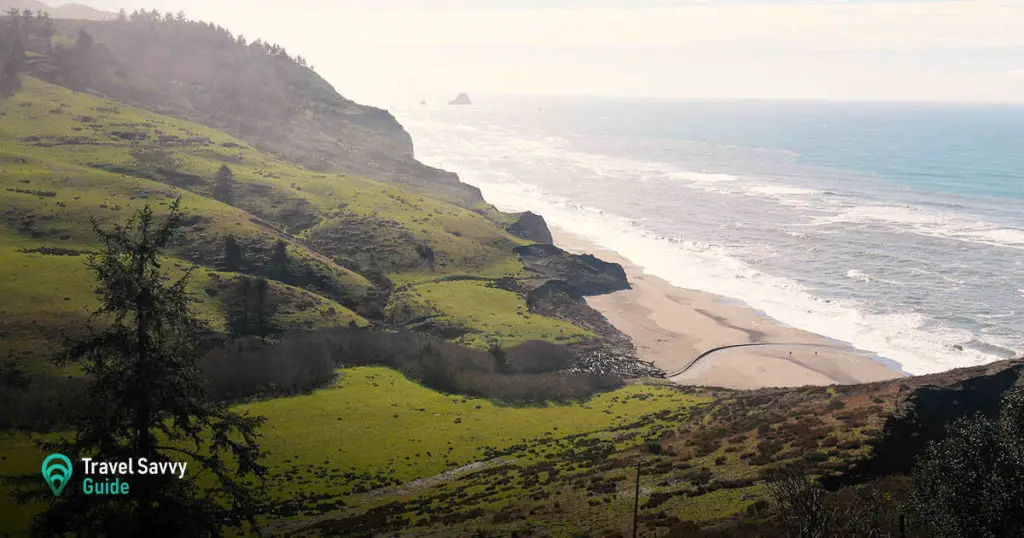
(528, 373)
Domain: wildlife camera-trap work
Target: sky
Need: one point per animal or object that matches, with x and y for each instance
(374, 50)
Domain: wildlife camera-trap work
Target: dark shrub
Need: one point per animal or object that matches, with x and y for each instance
(538, 356)
(304, 361)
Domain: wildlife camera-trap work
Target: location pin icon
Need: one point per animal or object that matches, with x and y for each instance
(57, 471)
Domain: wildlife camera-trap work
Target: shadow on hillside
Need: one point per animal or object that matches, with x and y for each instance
(530, 373)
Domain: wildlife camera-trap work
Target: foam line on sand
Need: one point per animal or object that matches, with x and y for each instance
(672, 326)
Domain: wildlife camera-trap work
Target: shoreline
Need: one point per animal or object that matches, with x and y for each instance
(672, 326)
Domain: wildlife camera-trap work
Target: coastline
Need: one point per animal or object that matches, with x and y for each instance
(671, 326)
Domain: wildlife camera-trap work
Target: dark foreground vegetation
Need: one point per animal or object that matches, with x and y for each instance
(532, 372)
(969, 482)
(296, 264)
(143, 397)
(761, 464)
(253, 368)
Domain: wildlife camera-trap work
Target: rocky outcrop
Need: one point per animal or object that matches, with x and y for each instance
(557, 299)
(556, 285)
(462, 99)
(601, 362)
(614, 352)
(583, 274)
(531, 226)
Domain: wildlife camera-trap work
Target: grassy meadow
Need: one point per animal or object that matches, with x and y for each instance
(375, 429)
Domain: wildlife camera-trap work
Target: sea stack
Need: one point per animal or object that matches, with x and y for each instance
(462, 99)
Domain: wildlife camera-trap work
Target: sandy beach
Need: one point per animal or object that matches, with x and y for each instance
(672, 326)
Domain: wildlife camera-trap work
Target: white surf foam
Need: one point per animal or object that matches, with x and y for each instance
(899, 336)
(701, 177)
(858, 275)
(932, 223)
(854, 274)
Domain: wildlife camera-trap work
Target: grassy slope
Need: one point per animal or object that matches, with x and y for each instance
(51, 186)
(481, 310)
(573, 451)
(569, 466)
(376, 420)
(376, 428)
(702, 458)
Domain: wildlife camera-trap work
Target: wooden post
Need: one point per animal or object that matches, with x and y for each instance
(636, 500)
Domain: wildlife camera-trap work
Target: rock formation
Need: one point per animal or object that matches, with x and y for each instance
(585, 274)
(462, 99)
(533, 227)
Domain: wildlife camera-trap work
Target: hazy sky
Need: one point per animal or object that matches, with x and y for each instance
(962, 50)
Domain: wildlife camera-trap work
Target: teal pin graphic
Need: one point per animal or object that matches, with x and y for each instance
(57, 471)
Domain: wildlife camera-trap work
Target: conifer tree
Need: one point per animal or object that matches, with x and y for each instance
(232, 253)
(279, 260)
(146, 399)
(223, 185)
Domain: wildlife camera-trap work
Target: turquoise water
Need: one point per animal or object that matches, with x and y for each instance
(896, 227)
(957, 149)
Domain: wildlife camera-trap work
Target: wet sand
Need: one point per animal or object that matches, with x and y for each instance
(672, 326)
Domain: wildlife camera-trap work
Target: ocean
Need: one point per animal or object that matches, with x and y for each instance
(895, 227)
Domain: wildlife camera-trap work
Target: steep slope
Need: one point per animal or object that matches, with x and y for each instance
(430, 230)
(255, 91)
(57, 151)
(373, 249)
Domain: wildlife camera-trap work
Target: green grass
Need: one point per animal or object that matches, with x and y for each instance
(46, 294)
(266, 187)
(18, 456)
(375, 418)
(491, 316)
(63, 165)
(376, 421)
(64, 162)
(544, 474)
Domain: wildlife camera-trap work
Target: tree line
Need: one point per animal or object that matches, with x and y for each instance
(154, 16)
(20, 30)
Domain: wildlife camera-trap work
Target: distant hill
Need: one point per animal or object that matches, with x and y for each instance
(255, 90)
(65, 11)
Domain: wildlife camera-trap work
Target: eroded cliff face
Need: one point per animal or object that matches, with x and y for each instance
(584, 274)
(531, 226)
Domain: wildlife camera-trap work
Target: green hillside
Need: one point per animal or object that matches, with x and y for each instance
(335, 249)
(254, 90)
(386, 322)
(68, 158)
